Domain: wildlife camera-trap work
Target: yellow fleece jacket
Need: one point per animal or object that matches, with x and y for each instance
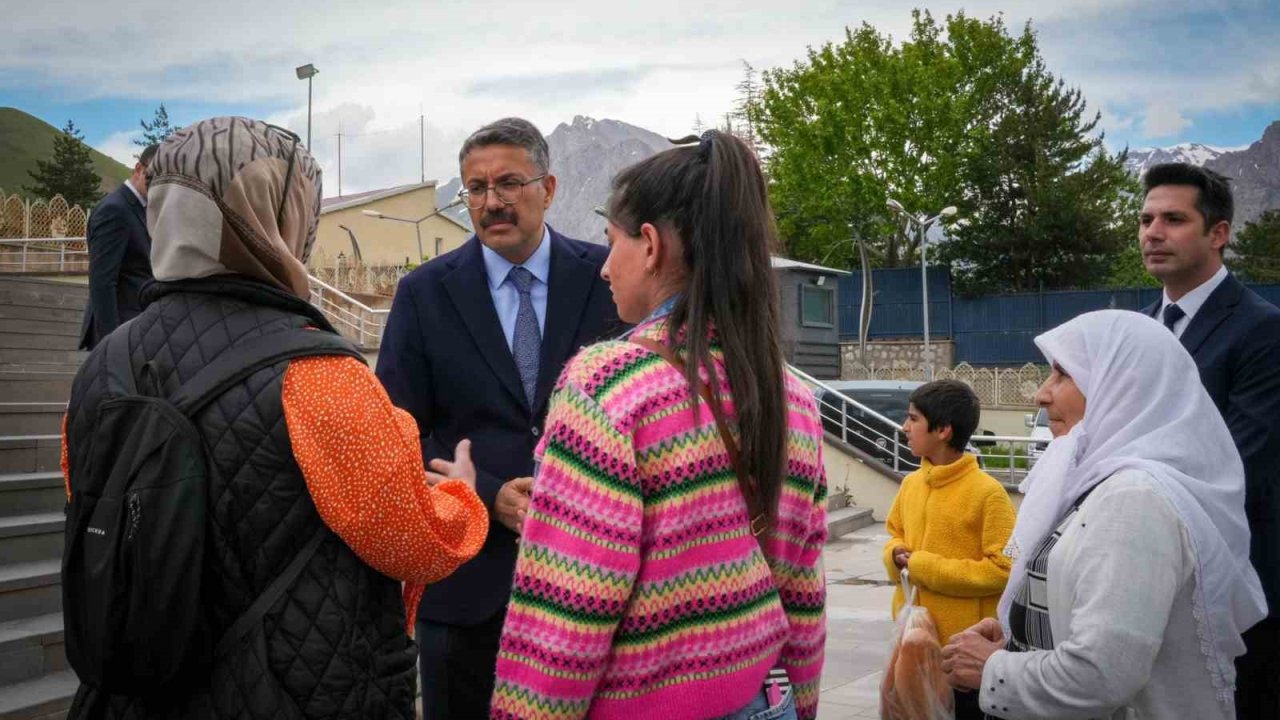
(955, 520)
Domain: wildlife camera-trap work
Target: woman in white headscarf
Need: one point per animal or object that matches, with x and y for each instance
(1131, 581)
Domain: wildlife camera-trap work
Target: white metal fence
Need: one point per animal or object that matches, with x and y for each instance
(995, 387)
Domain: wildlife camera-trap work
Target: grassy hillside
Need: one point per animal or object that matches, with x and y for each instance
(24, 139)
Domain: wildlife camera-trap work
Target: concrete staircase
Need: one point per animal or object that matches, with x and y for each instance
(39, 331)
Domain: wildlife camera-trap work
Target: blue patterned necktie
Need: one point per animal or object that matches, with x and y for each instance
(526, 347)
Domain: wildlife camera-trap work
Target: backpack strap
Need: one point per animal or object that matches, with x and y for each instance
(248, 357)
(251, 617)
(745, 482)
(120, 379)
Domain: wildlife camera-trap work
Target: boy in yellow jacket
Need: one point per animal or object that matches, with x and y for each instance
(951, 521)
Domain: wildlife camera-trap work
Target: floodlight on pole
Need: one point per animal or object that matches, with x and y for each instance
(417, 224)
(921, 224)
(306, 72)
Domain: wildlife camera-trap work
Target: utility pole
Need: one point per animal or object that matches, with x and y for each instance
(422, 145)
(339, 158)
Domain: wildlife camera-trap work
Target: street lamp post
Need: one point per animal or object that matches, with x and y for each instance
(306, 72)
(922, 223)
(417, 224)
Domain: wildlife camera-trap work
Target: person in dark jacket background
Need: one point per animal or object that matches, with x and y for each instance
(305, 448)
(119, 255)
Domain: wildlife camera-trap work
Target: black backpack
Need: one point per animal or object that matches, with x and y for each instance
(134, 557)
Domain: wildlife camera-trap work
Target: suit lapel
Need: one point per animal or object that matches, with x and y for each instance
(1217, 307)
(569, 285)
(468, 288)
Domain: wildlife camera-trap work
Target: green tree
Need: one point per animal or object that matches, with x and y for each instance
(1257, 249)
(155, 132)
(962, 113)
(68, 173)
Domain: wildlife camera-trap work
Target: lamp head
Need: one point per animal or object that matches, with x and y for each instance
(371, 213)
(947, 211)
(306, 71)
(895, 205)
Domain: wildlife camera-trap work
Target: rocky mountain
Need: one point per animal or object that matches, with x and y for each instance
(585, 155)
(1193, 153)
(1254, 171)
(1255, 175)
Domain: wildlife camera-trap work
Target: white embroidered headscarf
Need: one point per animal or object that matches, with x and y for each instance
(1145, 409)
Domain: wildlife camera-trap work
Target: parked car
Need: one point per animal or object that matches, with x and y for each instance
(865, 431)
(1038, 423)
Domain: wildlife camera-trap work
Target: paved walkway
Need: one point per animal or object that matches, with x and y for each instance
(859, 628)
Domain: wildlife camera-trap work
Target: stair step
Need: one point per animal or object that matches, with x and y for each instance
(32, 537)
(43, 698)
(40, 326)
(31, 418)
(43, 298)
(39, 340)
(31, 493)
(36, 369)
(31, 647)
(36, 386)
(846, 520)
(27, 357)
(30, 312)
(29, 589)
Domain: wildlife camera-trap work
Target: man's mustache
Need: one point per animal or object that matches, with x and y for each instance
(504, 216)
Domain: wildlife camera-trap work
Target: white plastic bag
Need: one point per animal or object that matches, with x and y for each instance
(914, 686)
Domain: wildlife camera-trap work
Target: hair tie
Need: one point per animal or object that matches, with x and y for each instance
(704, 144)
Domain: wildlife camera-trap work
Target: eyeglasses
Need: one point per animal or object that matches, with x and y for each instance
(288, 174)
(508, 191)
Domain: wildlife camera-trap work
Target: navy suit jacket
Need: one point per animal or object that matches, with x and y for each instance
(1235, 340)
(119, 264)
(445, 359)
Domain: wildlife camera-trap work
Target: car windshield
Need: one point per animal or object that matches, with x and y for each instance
(889, 403)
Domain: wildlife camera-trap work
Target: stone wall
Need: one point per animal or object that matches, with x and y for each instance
(893, 353)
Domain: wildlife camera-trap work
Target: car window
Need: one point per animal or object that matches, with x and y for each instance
(889, 403)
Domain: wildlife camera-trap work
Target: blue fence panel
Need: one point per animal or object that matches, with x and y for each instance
(896, 304)
(992, 330)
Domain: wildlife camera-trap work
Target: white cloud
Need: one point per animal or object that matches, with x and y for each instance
(654, 64)
(1162, 120)
(119, 146)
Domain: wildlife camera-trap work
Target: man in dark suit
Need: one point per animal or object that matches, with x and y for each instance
(119, 255)
(1234, 336)
(473, 346)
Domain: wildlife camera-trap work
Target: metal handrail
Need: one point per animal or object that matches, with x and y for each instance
(848, 426)
(36, 259)
(364, 322)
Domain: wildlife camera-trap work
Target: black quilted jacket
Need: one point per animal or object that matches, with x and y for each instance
(334, 645)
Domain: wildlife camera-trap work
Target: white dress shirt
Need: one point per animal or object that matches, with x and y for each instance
(142, 199)
(1192, 301)
(506, 299)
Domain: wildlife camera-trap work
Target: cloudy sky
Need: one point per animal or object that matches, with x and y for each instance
(1159, 72)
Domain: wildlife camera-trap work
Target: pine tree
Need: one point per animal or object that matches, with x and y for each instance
(746, 106)
(699, 127)
(68, 173)
(1257, 249)
(154, 132)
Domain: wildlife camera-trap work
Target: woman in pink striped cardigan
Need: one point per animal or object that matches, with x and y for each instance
(669, 560)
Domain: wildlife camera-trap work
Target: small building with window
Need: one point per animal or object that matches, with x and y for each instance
(346, 235)
(810, 325)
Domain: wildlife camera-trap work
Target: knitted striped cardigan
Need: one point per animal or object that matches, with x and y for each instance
(639, 591)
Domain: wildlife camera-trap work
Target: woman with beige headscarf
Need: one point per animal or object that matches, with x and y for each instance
(309, 461)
